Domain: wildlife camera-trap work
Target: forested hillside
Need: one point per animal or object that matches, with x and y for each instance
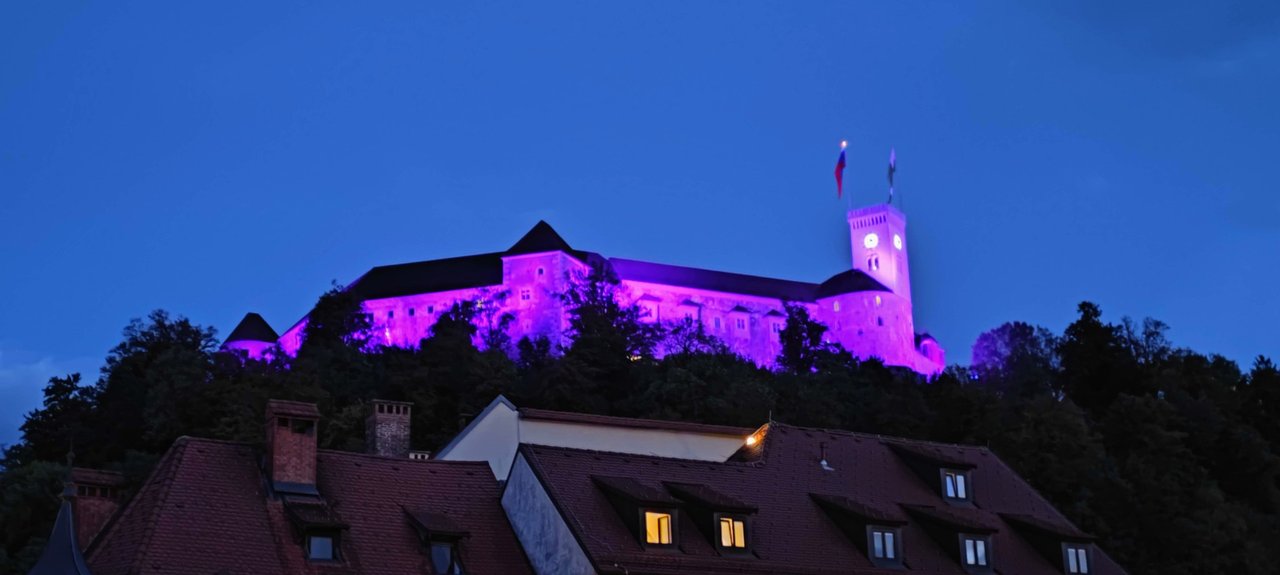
(1169, 456)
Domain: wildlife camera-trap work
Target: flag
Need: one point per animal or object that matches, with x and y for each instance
(840, 172)
(893, 167)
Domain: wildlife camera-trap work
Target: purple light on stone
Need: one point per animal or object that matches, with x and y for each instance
(868, 312)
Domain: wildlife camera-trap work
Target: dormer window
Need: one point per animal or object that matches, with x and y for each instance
(1077, 559)
(975, 552)
(883, 546)
(657, 527)
(444, 558)
(322, 547)
(733, 532)
(954, 485)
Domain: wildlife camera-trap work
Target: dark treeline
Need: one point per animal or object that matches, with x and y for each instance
(1168, 455)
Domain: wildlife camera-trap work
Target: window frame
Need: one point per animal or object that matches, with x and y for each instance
(896, 532)
(1083, 551)
(335, 549)
(673, 527)
(963, 485)
(987, 554)
(718, 539)
(455, 556)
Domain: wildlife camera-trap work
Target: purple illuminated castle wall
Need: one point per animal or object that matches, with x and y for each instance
(867, 307)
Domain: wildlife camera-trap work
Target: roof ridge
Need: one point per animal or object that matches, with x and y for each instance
(882, 437)
(639, 455)
(811, 284)
(168, 467)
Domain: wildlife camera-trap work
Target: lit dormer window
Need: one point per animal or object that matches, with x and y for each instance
(1077, 558)
(657, 527)
(733, 532)
(975, 551)
(954, 485)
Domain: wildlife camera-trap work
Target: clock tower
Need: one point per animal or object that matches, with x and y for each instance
(879, 237)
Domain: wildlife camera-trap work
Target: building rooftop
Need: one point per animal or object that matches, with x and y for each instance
(252, 328)
(206, 509)
(797, 507)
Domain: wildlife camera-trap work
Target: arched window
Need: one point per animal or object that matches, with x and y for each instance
(873, 262)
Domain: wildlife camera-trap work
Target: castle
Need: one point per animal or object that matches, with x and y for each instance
(867, 308)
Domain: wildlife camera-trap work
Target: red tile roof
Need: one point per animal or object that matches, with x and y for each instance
(790, 532)
(590, 419)
(205, 509)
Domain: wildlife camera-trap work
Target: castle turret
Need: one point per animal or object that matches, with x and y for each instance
(253, 335)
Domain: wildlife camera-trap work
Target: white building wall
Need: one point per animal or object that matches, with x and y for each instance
(494, 437)
(550, 545)
(661, 443)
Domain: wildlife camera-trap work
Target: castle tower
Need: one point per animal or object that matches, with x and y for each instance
(879, 237)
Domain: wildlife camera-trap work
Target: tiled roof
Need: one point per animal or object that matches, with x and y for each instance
(205, 509)
(634, 423)
(848, 281)
(61, 555)
(429, 276)
(790, 532)
(252, 328)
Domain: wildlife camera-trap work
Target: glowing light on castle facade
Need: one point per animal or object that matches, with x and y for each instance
(867, 307)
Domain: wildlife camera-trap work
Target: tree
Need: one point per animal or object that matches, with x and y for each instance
(1017, 359)
(804, 348)
(1097, 363)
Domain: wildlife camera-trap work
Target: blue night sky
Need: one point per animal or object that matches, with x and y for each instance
(213, 158)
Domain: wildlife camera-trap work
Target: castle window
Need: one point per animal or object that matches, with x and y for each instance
(431, 309)
(954, 485)
(740, 323)
(410, 312)
(391, 314)
(525, 295)
(717, 323)
(733, 532)
(777, 327)
(541, 272)
(878, 301)
(444, 558)
(321, 547)
(880, 321)
(835, 306)
(657, 528)
(873, 262)
(1077, 559)
(975, 551)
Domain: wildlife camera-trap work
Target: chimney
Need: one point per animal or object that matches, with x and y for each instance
(291, 446)
(386, 430)
(97, 497)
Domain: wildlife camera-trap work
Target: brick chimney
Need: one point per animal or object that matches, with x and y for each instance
(97, 498)
(291, 446)
(386, 430)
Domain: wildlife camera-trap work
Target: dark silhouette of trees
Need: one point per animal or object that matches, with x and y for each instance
(1167, 455)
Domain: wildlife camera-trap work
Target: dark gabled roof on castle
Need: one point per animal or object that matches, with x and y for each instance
(727, 282)
(205, 509)
(791, 532)
(485, 270)
(848, 281)
(542, 238)
(430, 276)
(252, 328)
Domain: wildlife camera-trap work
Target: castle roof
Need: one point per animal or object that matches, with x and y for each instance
(542, 238)
(252, 328)
(206, 509)
(728, 282)
(848, 281)
(801, 511)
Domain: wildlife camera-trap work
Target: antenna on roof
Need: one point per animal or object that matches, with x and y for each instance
(822, 445)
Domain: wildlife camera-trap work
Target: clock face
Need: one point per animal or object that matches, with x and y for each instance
(871, 241)
(897, 241)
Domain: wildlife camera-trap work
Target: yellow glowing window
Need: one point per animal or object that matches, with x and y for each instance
(733, 533)
(657, 528)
